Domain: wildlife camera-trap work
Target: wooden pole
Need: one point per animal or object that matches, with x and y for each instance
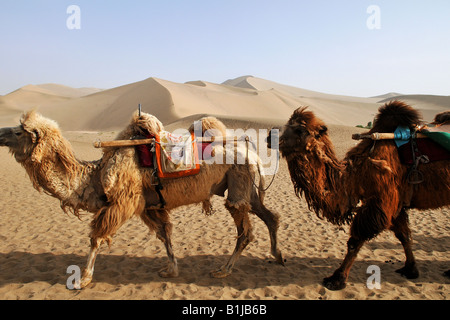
(381, 136)
(122, 143)
(138, 142)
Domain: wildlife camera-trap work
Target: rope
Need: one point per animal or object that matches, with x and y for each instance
(247, 140)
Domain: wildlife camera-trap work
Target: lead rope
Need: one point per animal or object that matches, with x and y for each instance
(415, 176)
(247, 160)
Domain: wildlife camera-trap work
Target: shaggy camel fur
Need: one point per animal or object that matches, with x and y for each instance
(369, 189)
(115, 188)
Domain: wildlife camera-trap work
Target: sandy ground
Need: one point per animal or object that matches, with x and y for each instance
(38, 242)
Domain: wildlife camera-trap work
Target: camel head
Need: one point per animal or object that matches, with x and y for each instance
(301, 133)
(24, 140)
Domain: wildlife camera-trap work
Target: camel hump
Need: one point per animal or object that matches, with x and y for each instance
(394, 114)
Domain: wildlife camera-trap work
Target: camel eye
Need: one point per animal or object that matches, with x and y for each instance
(18, 133)
(300, 130)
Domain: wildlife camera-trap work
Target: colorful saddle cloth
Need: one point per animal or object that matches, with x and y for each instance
(176, 155)
(173, 156)
(436, 147)
(440, 135)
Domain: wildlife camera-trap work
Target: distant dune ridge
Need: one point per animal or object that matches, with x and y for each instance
(91, 109)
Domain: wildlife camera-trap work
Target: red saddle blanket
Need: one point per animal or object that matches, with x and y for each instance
(173, 156)
(427, 147)
(205, 150)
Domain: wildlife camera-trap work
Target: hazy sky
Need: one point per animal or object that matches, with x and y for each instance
(322, 45)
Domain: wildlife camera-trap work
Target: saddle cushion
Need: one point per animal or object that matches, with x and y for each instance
(433, 150)
(145, 154)
(205, 150)
(440, 134)
(176, 155)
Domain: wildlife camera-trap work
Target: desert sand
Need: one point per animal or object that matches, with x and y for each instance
(38, 242)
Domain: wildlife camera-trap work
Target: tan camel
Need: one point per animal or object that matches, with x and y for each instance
(115, 188)
(369, 189)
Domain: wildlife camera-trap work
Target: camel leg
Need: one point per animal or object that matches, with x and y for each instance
(159, 221)
(88, 272)
(272, 221)
(367, 224)
(338, 279)
(242, 221)
(403, 233)
(104, 225)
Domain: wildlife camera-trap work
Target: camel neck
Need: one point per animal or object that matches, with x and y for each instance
(317, 177)
(67, 179)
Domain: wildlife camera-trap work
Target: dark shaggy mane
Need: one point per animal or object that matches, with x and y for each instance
(303, 116)
(442, 118)
(393, 114)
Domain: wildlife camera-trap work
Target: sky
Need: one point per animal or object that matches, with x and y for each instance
(333, 46)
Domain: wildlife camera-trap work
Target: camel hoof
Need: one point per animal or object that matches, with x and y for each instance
(409, 272)
(85, 281)
(220, 274)
(279, 259)
(334, 283)
(168, 273)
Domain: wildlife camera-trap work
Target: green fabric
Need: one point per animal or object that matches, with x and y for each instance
(443, 138)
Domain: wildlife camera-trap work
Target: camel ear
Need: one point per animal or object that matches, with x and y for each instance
(39, 150)
(34, 136)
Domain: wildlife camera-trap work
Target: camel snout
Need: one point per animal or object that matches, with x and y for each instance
(4, 133)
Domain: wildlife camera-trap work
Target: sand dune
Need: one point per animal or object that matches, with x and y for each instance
(429, 105)
(93, 109)
(264, 85)
(61, 90)
(390, 95)
(38, 97)
(41, 95)
(30, 97)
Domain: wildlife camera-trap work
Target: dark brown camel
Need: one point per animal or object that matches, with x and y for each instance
(368, 189)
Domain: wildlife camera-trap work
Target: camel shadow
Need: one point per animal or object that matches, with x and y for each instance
(420, 242)
(249, 272)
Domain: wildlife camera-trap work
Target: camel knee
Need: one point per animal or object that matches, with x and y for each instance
(368, 223)
(239, 212)
(403, 236)
(353, 245)
(97, 242)
(400, 227)
(271, 219)
(159, 222)
(106, 223)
